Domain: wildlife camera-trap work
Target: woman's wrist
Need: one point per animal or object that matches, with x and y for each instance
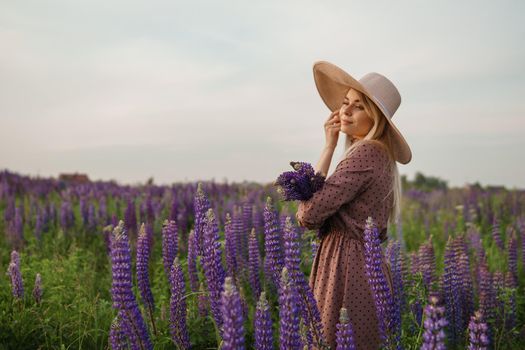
(330, 147)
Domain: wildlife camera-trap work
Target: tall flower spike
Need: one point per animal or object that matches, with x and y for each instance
(17, 285)
(451, 292)
(239, 235)
(263, 325)
(169, 244)
(344, 334)
(394, 256)
(288, 314)
(212, 265)
(230, 247)
(273, 261)
(434, 335)
(201, 204)
(121, 289)
(377, 279)
(487, 296)
(192, 262)
(232, 315)
(117, 334)
(254, 263)
(143, 256)
(178, 325)
(306, 302)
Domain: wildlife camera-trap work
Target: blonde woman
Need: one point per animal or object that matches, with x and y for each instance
(365, 183)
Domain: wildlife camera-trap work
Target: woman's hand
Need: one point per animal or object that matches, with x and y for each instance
(332, 127)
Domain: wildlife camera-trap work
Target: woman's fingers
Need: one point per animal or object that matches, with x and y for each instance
(333, 118)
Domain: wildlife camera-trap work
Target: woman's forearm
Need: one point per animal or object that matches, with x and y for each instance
(324, 162)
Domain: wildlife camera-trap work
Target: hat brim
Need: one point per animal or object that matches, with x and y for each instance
(333, 84)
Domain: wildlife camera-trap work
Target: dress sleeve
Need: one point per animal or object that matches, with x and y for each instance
(351, 176)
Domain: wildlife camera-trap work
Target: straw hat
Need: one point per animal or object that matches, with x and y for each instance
(333, 84)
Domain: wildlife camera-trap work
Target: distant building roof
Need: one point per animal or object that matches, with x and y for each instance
(76, 177)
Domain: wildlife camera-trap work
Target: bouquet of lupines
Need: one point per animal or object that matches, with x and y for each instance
(299, 184)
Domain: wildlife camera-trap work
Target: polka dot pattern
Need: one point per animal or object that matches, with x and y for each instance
(358, 188)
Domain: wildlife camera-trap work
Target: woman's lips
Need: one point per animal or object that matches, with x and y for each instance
(344, 122)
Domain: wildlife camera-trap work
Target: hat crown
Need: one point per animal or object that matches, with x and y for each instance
(382, 91)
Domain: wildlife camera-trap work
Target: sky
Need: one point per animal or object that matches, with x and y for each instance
(224, 90)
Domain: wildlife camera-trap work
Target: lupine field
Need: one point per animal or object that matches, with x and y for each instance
(97, 265)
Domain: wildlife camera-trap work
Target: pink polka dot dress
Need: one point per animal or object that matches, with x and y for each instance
(359, 187)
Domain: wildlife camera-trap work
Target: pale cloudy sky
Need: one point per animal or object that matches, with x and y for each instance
(193, 90)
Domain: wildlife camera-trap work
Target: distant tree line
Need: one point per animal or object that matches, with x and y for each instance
(424, 183)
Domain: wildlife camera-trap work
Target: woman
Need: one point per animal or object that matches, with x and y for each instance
(365, 183)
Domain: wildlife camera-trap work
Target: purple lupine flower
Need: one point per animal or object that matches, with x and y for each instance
(232, 316)
(434, 335)
(150, 234)
(263, 324)
(169, 244)
(230, 246)
(239, 234)
(17, 285)
(254, 263)
(37, 289)
(466, 302)
(247, 214)
(273, 260)
(121, 290)
(451, 292)
(289, 338)
(292, 261)
(478, 339)
(345, 333)
(143, 255)
(496, 235)
(467, 294)
(377, 280)
(192, 262)
(212, 265)
(512, 251)
(306, 302)
(178, 324)
(427, 263)
(487, 295)
(117, 334)
(394, 257)
(201, 205)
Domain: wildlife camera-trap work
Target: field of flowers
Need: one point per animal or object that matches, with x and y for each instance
(97, 265)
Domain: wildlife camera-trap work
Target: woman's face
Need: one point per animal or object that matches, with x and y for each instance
(355, 121)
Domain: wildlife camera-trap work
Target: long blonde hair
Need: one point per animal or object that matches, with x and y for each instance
(380, 132)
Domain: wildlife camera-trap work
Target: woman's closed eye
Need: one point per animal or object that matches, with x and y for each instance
(360, 107)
